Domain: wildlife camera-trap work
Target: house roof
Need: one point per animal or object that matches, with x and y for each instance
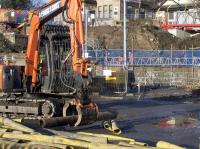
(178, 3)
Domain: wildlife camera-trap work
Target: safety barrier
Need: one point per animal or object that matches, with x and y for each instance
(178, 68)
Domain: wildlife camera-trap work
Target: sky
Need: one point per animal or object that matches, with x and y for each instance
(42, 1)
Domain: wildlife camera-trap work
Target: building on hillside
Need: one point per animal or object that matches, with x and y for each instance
(89, 11)
(89, 4)
(110, 12)
(179, 12)
(13, 16)
(180, 17)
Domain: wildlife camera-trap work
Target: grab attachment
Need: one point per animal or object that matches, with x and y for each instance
(112, 126)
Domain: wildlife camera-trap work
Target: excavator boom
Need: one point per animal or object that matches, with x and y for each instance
(53, 82)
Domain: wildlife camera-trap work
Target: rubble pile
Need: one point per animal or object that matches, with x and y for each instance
(12, 41)
(142, 34)
(5, 44)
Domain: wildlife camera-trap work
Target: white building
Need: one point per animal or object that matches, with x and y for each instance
(179, 12)
(110, 12)
(181, 17)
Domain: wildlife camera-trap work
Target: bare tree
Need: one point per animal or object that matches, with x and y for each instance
(37, 3)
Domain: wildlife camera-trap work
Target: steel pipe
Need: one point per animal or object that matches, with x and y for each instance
(70, 120)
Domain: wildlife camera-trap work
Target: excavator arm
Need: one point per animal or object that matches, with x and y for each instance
(42, 15)
(52, 89)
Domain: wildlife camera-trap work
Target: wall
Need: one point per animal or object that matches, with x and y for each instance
(111, 14)
(179, 33)
(135, 10)
(168, 76)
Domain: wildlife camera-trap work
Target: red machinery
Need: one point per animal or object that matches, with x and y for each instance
(188, 27)
(54, 80)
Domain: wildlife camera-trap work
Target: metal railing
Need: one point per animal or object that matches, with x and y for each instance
(157, 68)
(170, 78)
(186, 17)
(189, 58)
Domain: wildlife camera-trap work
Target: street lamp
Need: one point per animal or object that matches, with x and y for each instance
(86, 11)
(125, 48)
(86, 32)
(125, 36)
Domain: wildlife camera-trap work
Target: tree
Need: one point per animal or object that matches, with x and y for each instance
(38, 3)
(16, 4)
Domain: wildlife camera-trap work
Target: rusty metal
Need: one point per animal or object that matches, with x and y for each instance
(70, 120)
(105, 116)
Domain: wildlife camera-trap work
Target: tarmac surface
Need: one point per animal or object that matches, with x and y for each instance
(173, 118)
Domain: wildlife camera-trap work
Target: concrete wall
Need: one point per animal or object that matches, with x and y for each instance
(179, 33)
(174, 76)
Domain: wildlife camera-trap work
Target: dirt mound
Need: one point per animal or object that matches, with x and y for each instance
(189, 43)
(142, 34)
(10, 39)
(5, 45)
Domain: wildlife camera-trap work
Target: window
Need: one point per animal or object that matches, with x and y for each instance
(105, 11)
(100, 12)
(130, 10)
(116, 11)
(110, 11)
(171, 16)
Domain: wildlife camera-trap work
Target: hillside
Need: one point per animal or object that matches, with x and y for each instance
(142, 34)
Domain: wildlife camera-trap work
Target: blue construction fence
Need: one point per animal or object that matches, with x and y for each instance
(147, 57)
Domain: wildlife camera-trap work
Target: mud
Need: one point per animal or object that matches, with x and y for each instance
(143, 119)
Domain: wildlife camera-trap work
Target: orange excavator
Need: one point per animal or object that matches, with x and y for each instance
(52, 85)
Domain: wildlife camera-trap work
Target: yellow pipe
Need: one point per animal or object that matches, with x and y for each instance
(14, 125)
(18, 120)
(136, 146)
(166, 145)
(10, 145)
(50, 145)
(140, 143)
(82, 137)
(111, 137)
(3, 129)
(61, 140)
